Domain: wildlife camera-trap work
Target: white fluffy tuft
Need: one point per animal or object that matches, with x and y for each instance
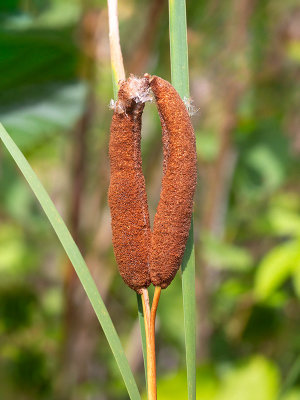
(192, 110)
(136, 89)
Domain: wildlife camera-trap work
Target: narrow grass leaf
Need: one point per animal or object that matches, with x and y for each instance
(77, 261)
(189, 311)
(143, 333)
(180, 80)
(178, 47)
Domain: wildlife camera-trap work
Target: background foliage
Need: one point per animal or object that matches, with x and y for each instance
(55, 89)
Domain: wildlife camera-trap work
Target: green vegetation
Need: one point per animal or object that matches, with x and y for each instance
(180, 80)
(55, 90)
(76, 260)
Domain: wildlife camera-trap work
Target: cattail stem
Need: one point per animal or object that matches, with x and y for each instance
(149, 319)
(152, 331)
(150, 381)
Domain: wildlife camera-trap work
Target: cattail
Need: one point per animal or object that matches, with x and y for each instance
(144, 257)
(173, 216)
(127, 193)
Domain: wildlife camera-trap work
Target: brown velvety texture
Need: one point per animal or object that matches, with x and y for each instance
(144, 257)
(173, 216)
(127, 192)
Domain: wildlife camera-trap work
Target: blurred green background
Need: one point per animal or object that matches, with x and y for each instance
(55, 88)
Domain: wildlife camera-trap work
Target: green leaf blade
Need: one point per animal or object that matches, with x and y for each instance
(77, 262)
(180, 80)
(179, 47)
(189, 311)
(276, 266)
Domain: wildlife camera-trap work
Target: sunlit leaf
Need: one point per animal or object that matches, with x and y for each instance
(257, 379)
(173, 386)
(207, 145)
(284, 222)
(55, 109)
(263, 160)
(14, 254)
(225, 255)
(275, 268)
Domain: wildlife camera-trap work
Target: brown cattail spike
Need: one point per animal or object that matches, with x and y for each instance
(173, 216)
(127, 193)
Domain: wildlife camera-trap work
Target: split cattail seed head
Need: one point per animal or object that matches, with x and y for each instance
(144, 257)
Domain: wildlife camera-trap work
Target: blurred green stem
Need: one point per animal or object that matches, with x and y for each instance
(118, 72)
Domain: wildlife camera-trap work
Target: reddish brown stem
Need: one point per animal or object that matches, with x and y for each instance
(150, 369)
(152, 330)
(149, 320)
